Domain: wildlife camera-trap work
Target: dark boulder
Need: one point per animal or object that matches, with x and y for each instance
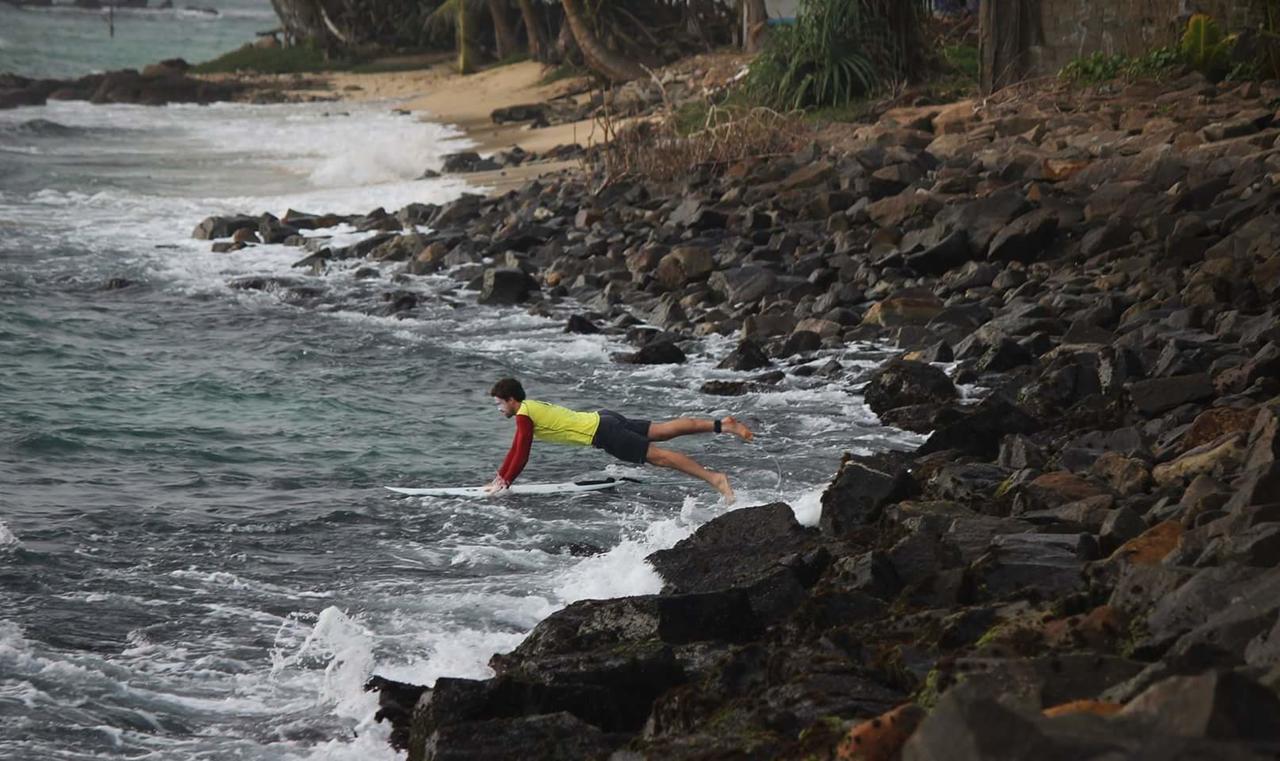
(1158, 395)
(1026, 238)
(970, 723)
(396, 701)
(466, 161)
(799, 342)
(505, 285)
(952, 251)
(552, 736)
(581, 325)
(737, 549)
(747, 356)
(903, 382)
(980, 430)
(858, 495)
(660, 352)
(743, 284)
(1213, 705)
(211, 228)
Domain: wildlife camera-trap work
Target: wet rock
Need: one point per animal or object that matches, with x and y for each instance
(591, 625)
(917, 418)
(505, 285)
(556, 735)
(798, 342)
(581, 325)
(747, 356)
(857, 495)
(398, 302)
(654, 353)
(727, 388)
(901, 382)
(784, 561)
(466, 161)
(979, 430)
(223, 227)
(396, 701)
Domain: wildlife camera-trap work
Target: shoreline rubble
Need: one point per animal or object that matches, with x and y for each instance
(1084, 563)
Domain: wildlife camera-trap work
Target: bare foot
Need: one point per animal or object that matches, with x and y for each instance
(721, 482)
(738, 429)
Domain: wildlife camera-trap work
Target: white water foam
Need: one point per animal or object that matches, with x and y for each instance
(8, 540)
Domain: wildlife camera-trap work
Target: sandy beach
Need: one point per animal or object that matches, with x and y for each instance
(441, 95)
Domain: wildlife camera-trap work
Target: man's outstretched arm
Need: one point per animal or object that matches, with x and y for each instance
(518, 455)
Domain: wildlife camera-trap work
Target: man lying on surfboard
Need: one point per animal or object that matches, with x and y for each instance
(628, 440)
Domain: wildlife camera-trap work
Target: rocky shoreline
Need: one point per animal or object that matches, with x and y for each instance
(1081, 565)
(159, 84)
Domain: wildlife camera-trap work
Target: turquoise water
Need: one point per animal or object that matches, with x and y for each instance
(197, 559)
(64, 42)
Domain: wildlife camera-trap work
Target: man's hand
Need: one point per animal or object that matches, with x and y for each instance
(496, 486)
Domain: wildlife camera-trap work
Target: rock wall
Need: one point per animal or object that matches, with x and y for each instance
(1038, 37)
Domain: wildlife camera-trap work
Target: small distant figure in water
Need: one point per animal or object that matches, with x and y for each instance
(111, 20)
(628, 440)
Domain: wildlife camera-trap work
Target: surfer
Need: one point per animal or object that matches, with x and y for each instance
(628, 440)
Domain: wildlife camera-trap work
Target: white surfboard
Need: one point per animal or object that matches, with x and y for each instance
(569, 487)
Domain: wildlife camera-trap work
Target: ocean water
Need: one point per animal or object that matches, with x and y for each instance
(197, 557)
(64, 42)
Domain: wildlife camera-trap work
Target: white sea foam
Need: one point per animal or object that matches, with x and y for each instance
(347, 648)
(808, 506)
(8, 540)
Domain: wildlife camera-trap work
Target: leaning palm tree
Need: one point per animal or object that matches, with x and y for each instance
(611, 66)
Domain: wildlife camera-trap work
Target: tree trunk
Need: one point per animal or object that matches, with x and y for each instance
(504, 35)
(604, 61)
(301, 21)
(466, 53)
(1007, 31)
(532, 27)
(755, 17)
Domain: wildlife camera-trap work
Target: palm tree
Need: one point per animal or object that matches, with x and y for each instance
(605, 62)
(504, 34)
(533, 28)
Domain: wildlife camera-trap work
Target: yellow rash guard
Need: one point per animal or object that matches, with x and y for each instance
(559, 424)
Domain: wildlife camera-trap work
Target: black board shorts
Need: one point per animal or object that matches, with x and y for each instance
(622, 437)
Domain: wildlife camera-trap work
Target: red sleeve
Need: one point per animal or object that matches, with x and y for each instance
(519, 454)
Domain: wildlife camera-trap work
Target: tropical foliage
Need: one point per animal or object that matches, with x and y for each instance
(1206, 48)
(838, 50)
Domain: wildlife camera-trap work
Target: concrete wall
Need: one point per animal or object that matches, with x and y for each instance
(1069, 29)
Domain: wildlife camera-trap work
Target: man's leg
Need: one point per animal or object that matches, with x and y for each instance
(676, 461)
(684, 426)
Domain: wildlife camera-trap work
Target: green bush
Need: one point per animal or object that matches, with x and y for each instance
(290, 60)
(837, 50)
(1206, 48)
(1100, 67)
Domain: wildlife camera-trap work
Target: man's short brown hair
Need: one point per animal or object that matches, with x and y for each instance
(508, 388)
